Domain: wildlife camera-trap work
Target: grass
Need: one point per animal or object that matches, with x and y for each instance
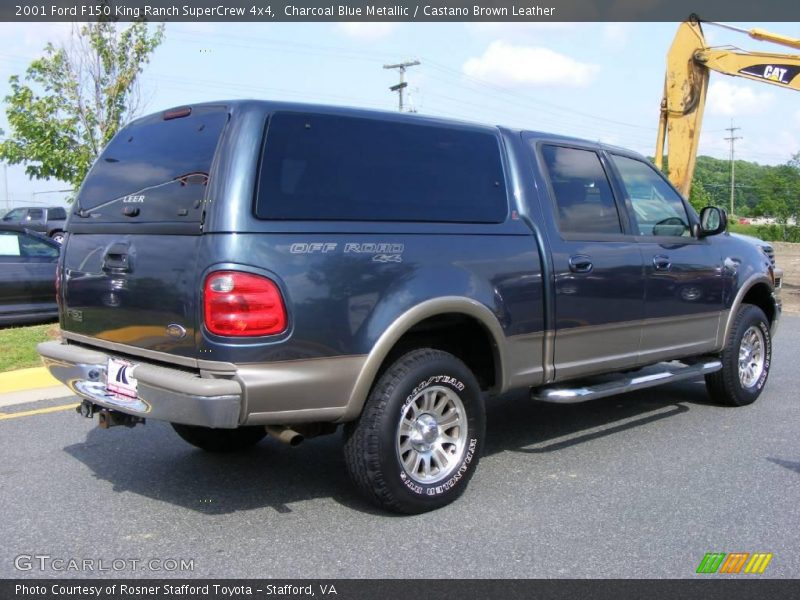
(18, 345)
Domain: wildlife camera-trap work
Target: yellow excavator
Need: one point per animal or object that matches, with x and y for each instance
(689, 62)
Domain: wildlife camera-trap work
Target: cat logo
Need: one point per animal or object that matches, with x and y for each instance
(775, 73)
(782, 74)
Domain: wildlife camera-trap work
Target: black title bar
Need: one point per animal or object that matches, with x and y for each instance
(398, 10)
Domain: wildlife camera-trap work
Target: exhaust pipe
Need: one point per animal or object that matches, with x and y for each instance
(284, 434)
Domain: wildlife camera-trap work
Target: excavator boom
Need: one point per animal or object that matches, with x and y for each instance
(689, 63)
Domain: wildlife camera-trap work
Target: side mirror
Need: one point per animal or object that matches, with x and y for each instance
(713, 220)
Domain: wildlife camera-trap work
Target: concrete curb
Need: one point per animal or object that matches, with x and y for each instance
(28, 379)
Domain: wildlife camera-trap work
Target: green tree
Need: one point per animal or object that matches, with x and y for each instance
(699, 196)
(73, 99)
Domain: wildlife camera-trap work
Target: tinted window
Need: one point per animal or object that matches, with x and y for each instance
(657, 208)
(58, 214)
(345, 168)
(30, 247)
(35, 214)
(583, 195)
(15, 215)
(159, 166)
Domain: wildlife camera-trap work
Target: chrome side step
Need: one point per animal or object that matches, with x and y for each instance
(656, 375)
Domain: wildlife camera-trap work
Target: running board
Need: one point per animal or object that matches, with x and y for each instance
(666, 373)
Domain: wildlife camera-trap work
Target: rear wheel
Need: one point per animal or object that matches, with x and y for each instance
(57, 236)
(220, 440)
(746, 360)
(419, 437)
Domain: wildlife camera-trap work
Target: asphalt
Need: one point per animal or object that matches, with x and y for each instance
(641, 485)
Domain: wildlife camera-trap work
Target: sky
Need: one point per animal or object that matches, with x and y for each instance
(601, 81)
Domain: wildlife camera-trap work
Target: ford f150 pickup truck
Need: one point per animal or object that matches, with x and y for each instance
(248, 268)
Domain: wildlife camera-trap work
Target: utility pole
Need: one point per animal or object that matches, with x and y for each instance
(403, 84)
(732, 139)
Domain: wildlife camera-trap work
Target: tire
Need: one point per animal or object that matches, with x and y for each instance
(739, 386)
(426, 400)
(220, 440)
(57, 236)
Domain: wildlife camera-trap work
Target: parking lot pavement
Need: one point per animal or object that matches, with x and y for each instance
(641, 485)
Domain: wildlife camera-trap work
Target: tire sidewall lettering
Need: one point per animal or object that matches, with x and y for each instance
(767, 355)
(473, 443)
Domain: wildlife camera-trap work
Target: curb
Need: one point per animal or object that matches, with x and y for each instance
(27, 379)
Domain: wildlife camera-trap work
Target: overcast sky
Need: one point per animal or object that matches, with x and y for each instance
(601, 81)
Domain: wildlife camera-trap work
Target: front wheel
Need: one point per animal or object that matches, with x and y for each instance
(419, 437)
(746, 360)
(220, 440)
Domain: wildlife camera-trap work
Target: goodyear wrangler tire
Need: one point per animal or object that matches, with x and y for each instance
(220, 440)
(746, 360)
(419, 437)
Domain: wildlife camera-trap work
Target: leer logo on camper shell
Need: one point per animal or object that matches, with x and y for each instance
(719, 562)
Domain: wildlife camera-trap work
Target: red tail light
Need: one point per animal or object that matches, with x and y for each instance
(242, 304)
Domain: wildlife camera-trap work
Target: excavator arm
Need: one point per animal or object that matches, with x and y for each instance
(689, 63)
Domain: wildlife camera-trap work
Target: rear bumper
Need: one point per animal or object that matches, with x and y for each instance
(163, 393)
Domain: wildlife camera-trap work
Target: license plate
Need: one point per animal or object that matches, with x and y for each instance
(120, 379)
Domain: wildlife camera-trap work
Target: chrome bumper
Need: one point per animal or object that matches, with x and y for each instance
(163, 394)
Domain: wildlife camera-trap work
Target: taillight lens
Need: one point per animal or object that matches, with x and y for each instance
(242, 304)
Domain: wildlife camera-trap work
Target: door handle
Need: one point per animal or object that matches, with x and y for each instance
(116, 258)
(580, 263)
(661, 263)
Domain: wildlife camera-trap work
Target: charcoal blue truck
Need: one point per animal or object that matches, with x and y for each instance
(249, 268)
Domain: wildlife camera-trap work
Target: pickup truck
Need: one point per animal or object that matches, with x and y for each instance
(247, 268)
(47, 220)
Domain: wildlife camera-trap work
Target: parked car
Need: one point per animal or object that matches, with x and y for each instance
(49, 220)
(27, 276)
(245, 268)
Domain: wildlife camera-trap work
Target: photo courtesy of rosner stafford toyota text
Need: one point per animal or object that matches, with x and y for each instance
(458, 299)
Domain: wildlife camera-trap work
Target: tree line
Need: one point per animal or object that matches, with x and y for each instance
(761, 191)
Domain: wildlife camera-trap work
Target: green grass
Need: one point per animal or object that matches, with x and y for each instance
(18, 345)
(769, 233)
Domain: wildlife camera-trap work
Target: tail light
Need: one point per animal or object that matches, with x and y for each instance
(242, 304)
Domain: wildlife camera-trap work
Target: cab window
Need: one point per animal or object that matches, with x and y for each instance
(657, 209)
(583, 195)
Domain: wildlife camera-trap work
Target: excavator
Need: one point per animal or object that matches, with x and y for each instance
(689, 62)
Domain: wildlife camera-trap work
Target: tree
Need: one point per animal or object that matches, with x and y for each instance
(75, 98)
(699, 196)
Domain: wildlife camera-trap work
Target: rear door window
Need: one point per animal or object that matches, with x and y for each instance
(583, 196)
(329, 167)
(57, 214)
(157, 167)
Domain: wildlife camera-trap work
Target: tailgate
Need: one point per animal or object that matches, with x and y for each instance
(138, 290)
(130, 261)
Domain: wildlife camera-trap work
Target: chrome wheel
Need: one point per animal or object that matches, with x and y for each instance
(751, 356)
(432, 435)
